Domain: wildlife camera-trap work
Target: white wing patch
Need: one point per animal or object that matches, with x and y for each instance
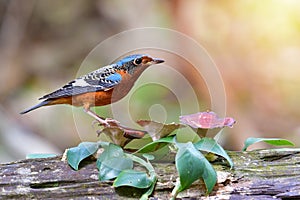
(80, 82)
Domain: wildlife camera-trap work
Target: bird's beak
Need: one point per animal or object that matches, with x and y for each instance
(157, 61)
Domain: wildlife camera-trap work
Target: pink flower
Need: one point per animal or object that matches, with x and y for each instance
(206, 120)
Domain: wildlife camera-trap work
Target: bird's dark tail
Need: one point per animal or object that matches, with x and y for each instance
(43, 103)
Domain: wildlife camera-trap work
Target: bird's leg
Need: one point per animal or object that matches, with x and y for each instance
(105, 122)
(97, 117)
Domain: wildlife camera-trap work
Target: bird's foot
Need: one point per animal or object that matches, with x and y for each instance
(112, 122)
(111, 125)
(108, 122)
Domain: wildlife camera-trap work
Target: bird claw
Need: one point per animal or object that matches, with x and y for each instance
(108, 122)
(95, 122)
(99, 132)
(112, 122)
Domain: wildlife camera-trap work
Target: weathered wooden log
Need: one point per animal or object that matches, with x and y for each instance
(260, 174)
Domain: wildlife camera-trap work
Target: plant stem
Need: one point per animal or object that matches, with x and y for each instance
(151, 170)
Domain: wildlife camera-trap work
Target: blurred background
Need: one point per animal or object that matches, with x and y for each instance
(255, 44)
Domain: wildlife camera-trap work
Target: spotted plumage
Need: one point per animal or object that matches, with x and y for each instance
(101, 79)
(100, 87)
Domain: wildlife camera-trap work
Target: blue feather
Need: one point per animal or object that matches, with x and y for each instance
(128, 59)
(116, 77)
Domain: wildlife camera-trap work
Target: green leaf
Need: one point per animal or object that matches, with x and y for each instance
(137, 144)
(155, 145)
(111, 168)
(148, 156)
(192, 165)
(210, 145)
(40, 155)
(272, 141)
(146, 195)
(110, 151)
(76, 154)
(133, 178)
(112, 161)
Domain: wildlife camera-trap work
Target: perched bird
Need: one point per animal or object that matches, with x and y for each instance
(100, 87)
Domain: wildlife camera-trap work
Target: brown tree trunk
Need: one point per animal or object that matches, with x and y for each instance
(261, 174)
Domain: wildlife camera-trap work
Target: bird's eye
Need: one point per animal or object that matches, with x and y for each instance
(137, 61)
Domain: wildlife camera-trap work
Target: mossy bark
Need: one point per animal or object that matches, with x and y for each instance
(261, 174)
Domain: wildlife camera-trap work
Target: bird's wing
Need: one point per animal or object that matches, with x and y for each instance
(99, 80)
